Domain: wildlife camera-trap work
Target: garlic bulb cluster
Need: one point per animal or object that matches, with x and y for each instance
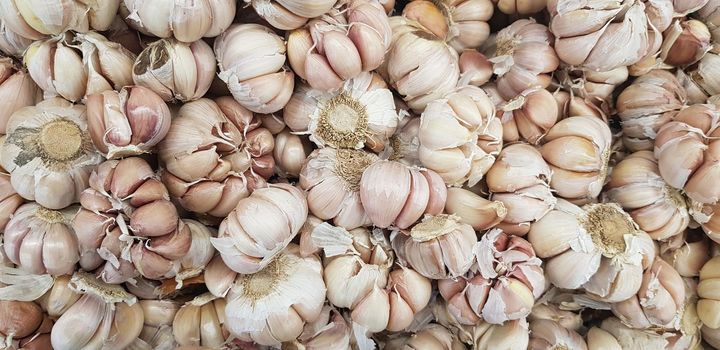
(35, 19)
(49, 153)
(17, 90)
(343, 43)
(215, 154)
(182, 20)
(291, 14)
(251, 59)
(459, 136)
(127, 226)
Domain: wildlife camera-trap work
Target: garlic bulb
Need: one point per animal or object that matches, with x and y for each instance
(708, 305)
(41, 241)
(686, 149)
(9, 200)
(613, 334)
(520, 7)
(587, 34)
(685, 42)
(11, 43)
(462, 23)
(522, 57)
(431, 337)
(215, 154)
(529, 116)
(59, 298)
(646, 105)
(362, 113)
(332, 179)
(710, 15)
(105, 316)
(272, 305)
(577, 150)
(519, 179)
(548, 310)
(290, 153)
(328, 331)
(474, 210)
(340, 45)
(699, 79)
(597, 87)
(157, 328)
(108, 64)
(260, 227)
(175, 70)
(200, 253)
(17, 90)
(186, 21)
(200, 322)
(49, 153)
(598, 247)
(459, 136)
(547, 334)
(127, 123)
(251, 59)
(127, 225)
(395, 194)
(511, 335)
(290, 14)
(475, 68)
(439, 247)
(575, 106)
(636, 185)
(33, 18)
(419, 65)
(19, 319)
(504, 285)
(687, 252)
(659, 302)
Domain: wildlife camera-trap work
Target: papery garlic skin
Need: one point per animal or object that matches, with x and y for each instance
(126, 123)
(547, 334)
(49, 153)
(329, 331)
(480, 213)
(636, 185)
(201, 322)
(17, 90)
(260, 227)
(264, 85)
(710, 15)
(11, 43)
(613, 334)
(699, 79)
(420, 66)
(520, 180)
(462, 23)
(459, 136)
(211, 180)
(432, 336)
(290, 14)
(362, 113)
(646, 105)
(515, 57)
(182, 20)
(403, 145)
(348, 40)
(685, 42)
(395, 194)
(529, 116)
(175, 70)
(273, 305)
(108, 64)
(332, 179)
(593, 86)
(201, 250)
(128, 226)
(32, 19)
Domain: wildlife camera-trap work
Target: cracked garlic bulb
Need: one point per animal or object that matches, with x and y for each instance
(461, 23)
(33, 19)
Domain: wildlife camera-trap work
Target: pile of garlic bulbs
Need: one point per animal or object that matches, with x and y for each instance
(360, 174)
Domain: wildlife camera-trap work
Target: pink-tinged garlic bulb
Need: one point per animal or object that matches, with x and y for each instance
(215, 154)
(49, 153)
(461, 23)
(329, 331)
(157, 327)
(186, 21)
(342, 44)
(11, 43)
(570, 105)
(290, 153)
(251, 58)
(34, 18)
(685, 43)
(597, 247)
(419, 65)
(395, 194)
(260, 227)
(73, 67)
(548, 334)
(105, 316)
(439, 247)
(688, 149)
(658, 303)
(332, 179)
(519, 179)
(529, 116)
(200, 253)
(290, 14)
(432, 336)
(41, 241)
(362, 113)
(475, 68)
(459, 136)
(687, 252)
(474, 210)
(200, 322)
(175, 70)
(17, 90)
(708, 306)
(274, 304)
(504, 285)
(520, 7)
(127, 123)
(578, 150)
(9, 200)
(127, 225)
(636, 185)
(646, 105)
(586, 34)
(523, 57)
